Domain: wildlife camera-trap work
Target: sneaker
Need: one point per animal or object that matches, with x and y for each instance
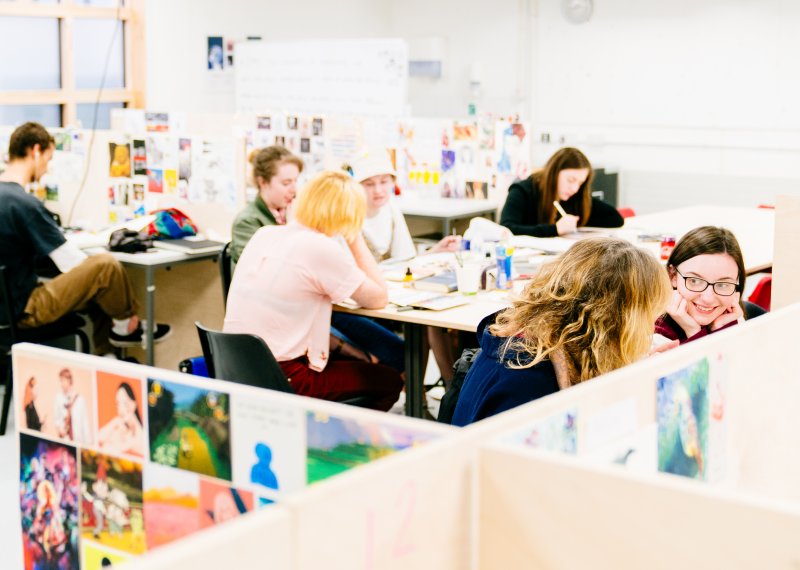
(136, 337)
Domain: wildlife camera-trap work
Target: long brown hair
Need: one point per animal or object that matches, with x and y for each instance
(547, 180)
(708, 240)
(597, 303)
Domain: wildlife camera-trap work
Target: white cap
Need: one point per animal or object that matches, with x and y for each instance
(372, 163)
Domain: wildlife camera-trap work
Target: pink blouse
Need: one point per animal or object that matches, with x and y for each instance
(283, 289)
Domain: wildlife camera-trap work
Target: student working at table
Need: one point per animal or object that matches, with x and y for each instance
(275, 173)
(557, 199)
(585, 314)
(387, 236)
(96, 284)
(289, 276)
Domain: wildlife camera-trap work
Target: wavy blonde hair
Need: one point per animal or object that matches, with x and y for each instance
(332, 203)
(597, 304)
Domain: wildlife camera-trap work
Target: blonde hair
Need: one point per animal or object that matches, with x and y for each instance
(597, 304)
(332, 203)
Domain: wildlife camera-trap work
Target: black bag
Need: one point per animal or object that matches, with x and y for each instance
(129, 241)
(447, 407)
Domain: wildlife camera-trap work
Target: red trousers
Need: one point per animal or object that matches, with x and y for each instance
(343, 379)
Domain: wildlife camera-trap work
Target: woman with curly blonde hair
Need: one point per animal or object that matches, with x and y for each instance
(585, 314)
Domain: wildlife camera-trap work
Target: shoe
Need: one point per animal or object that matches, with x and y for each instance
(136, 337)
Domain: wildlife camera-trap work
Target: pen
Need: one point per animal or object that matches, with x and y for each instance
(559, 208)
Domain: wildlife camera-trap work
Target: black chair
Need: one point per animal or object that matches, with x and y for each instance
(225, 270)
(241, 358)
(57, 333)
(246, 359)
(751, 310)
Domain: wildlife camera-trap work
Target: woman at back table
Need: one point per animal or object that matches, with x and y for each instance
(287, 280)
(585, 314)
(566, 179)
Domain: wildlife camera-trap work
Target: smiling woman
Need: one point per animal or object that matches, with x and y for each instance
(707, 272)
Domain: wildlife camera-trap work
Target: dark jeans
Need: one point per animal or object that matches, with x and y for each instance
(368, 335)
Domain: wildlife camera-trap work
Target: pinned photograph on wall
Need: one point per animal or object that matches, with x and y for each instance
(269, 445)
(51, 191)
(280, 141)
(139, 157)
(49, 499)
(305, 145)
(63, 141)
(291, 122)
(230, 46)
(215, 53)
(184, 159)
(155, 181)
(558, 432)
(475, 189)
(448, 159)
(170, 181)
(57, 400)
(212, 166)
(465, 132)
(336, 445)
(189, 428)
(682, 414)
(95, 557)
(220, 503)
(316, 127)
(156, 122)
(155, 151)
(111, 502)
(171, 504)
(119, 160)
(264, 122)
(138, 192)
(119, 414)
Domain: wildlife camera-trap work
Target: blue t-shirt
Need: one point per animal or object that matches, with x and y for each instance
(27, 232)
(491, 387)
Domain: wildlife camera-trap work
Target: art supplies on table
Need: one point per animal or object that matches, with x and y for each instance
(445, 282)
(409, 298)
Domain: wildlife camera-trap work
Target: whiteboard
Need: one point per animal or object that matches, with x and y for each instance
(350, 77)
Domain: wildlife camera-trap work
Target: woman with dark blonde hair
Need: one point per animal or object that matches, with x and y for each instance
(707, 271)
(587, 313)
(566, 179)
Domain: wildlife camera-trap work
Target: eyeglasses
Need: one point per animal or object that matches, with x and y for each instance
(697, 285)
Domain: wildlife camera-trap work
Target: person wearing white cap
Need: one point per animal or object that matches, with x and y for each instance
(387, 236)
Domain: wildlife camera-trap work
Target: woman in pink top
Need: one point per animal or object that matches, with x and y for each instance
(287, 280)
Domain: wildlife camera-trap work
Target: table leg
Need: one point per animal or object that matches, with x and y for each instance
(415, 375)
(446, 227)
(150, 312)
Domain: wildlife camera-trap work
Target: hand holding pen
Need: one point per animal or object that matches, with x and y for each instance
(567, 223)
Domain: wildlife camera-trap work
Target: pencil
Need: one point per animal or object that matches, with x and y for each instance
(559, 208)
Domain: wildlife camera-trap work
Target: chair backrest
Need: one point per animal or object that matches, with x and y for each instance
(762, 294)
(225, 270)
(8, 330)
(751, 310)
(241, 358)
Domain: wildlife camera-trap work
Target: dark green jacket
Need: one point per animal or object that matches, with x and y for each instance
(255, 216)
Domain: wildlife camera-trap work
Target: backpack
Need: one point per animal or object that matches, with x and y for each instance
(129, 241)
(170, 223)
(460, 368)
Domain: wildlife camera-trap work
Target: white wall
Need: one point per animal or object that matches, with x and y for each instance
(692, 101)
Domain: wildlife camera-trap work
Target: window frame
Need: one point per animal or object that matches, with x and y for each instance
(68, 96)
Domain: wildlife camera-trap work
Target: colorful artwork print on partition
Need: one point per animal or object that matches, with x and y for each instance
(49, 498)
(119, 414)
(189, 428)
(94, 557)
(171, 504)
(220, 503)
(111, 502)
(558, 432)
(682, 414)
(336, 445)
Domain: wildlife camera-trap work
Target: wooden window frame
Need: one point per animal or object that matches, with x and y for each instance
(68, 96)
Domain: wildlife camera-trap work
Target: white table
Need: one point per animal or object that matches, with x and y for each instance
(446, 210)
(464, 318)
(754, 228)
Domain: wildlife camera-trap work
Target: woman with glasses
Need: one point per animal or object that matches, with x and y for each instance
(707, 273)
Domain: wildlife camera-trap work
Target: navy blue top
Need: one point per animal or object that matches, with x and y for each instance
(490, 387)
(27, 232)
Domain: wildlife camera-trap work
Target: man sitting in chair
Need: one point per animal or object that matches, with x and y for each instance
(98, 283)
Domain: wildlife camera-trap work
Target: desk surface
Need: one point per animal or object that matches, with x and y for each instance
(754, 228)
(450, 208)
